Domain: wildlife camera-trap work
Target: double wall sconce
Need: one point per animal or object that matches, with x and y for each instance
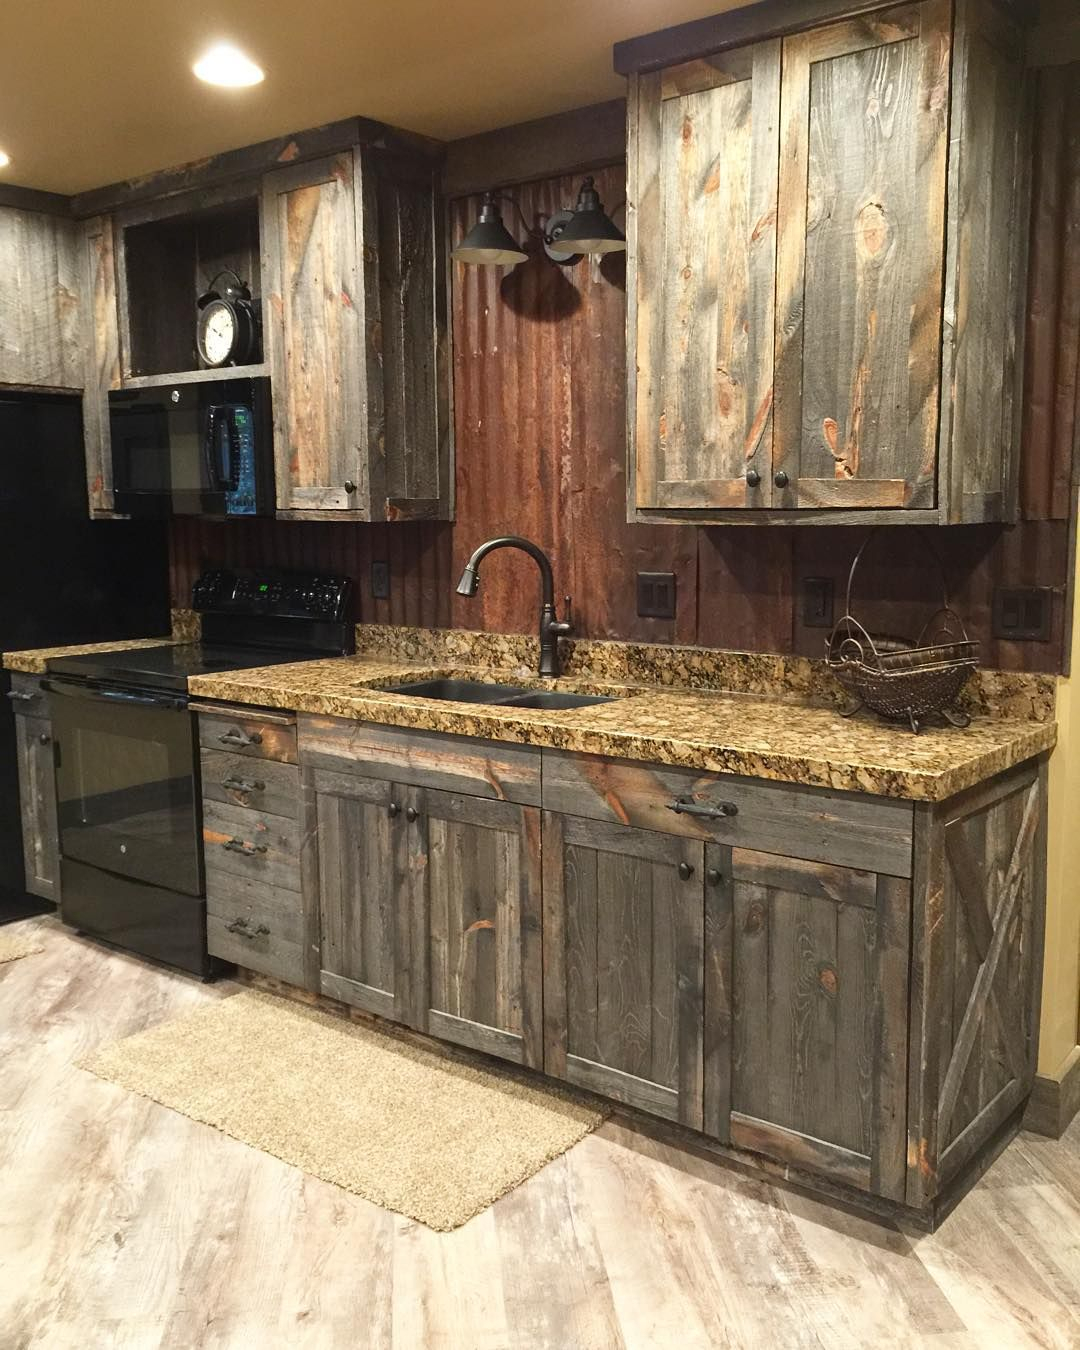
(567, 235)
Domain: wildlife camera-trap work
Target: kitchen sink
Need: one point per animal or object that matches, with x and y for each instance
(554, 699)
(503, 695)
(459, 691)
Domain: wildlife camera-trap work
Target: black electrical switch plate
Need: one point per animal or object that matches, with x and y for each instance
(380, 581)
(656, 595)
(817, 602)
(1023, 613)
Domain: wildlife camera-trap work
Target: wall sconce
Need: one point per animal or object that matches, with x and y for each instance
(588, 227)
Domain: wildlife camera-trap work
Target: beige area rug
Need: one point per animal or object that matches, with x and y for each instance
(15, 945)
(408, 1129)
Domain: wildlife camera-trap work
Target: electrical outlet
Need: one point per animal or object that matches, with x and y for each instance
(817, 602)
(380, 581)
(1023, 613)
(656, 595)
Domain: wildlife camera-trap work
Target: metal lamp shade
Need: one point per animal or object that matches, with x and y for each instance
(489, 241)
(591, 229)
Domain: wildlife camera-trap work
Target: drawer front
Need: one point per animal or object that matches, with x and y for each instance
(251, 845)
(267, 953)
(464, 764)
(27, 696)
(845, 828)
(270, 786)
(250, 735)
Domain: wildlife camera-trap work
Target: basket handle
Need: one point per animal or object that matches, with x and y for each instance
(931, 547)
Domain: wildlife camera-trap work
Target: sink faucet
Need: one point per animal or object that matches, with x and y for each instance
(551, 629)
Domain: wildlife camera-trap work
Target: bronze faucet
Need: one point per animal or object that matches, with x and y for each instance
(551, 629)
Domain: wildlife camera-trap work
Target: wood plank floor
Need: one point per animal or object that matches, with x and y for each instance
(125, 1225)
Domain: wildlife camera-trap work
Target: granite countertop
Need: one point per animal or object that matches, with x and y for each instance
(32, 661)
(761, 737)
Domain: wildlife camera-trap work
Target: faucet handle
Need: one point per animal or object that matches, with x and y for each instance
(569, 616)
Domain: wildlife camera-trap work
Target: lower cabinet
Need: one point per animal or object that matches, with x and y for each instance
(624, 957)
(816, 962)
(429, 909)
(37, 804)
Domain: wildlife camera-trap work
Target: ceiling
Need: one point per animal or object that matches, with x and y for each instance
(94, 93)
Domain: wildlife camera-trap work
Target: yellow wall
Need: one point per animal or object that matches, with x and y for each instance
(1061, 981)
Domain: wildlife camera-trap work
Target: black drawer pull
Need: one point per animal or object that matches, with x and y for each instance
(686, 806)
(237, 845)
(240, 738)
(243, 928)
(242, 785)
(17, 696)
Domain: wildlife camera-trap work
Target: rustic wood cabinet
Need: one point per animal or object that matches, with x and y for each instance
(40, 300)
(37, 787)
(355, 335)
(624, 955)
(428, 896)
(825, 292)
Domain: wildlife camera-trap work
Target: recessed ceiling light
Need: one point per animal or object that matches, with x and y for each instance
(5, 160)
(228, 66)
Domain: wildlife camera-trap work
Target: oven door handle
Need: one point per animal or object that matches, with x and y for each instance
(114, 695)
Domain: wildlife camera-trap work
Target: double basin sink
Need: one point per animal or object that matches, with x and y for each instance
(497, 695)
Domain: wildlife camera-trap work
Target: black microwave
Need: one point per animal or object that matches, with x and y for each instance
(202, 449)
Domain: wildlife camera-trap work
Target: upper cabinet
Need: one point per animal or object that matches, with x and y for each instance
(344, 254)
(827, 247)
(40, 299)
(355, 329)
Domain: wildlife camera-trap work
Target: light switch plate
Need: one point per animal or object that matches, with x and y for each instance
(380, 581)
(1023, 613)
(656, 595)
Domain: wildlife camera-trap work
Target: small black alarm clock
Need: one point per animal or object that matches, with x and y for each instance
(227, 326)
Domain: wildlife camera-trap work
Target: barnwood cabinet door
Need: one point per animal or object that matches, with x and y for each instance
(37, 802)
(818, 1017)
(359, 860)
(40, 301)
(702, 278)
(624, 964)
(473, 889)
(101, 357)
(864, 108)
(318, 310)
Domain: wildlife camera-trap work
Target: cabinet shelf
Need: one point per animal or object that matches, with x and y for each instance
(252, 372)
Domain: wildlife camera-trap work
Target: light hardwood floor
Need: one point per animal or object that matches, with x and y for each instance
(126, 1225)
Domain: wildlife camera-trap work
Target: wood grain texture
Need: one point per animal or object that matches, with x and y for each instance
(37, 804)
(41, 298)
(101, 355)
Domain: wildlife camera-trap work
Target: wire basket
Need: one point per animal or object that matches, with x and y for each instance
(901, 680)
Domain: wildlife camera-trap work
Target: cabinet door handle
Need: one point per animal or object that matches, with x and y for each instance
(411, 814)
(242, 785)
(237, 845)
(686, 806)
(17, 696)
(350, 486)
(753, 478)
(714, 876)
(685, 871)
(393, 810)
(781, 479)
(240, 738)
(44, 738)
(242, 928)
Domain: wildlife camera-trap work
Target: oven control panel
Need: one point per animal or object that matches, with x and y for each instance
(289, 595)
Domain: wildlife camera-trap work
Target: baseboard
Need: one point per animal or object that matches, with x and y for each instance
(1054, 1101)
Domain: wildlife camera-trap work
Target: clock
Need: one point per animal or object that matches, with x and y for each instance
(227, 326)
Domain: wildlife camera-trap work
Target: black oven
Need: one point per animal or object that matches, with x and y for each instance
(193, 449)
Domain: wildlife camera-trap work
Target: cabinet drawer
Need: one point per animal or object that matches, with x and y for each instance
(464, 764)
(251, 845)
(256, 736)
(271, 786)
(845, 828)
(268, 953)
(27, 696)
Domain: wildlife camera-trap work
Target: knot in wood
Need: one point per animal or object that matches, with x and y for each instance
(828, 980)
(872, 229)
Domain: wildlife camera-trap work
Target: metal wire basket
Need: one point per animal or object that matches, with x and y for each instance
(900, 680)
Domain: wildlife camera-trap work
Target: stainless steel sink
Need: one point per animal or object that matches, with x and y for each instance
(554, 699)
(502, 695)
(459, 691)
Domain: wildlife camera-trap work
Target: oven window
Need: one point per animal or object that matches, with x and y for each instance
(126, 789)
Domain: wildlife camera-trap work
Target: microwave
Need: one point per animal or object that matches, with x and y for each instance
(201, 449)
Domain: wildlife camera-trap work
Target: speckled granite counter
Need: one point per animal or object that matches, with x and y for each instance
(32, 661)
(761, 737)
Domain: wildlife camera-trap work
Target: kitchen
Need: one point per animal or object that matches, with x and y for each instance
(473, 712)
